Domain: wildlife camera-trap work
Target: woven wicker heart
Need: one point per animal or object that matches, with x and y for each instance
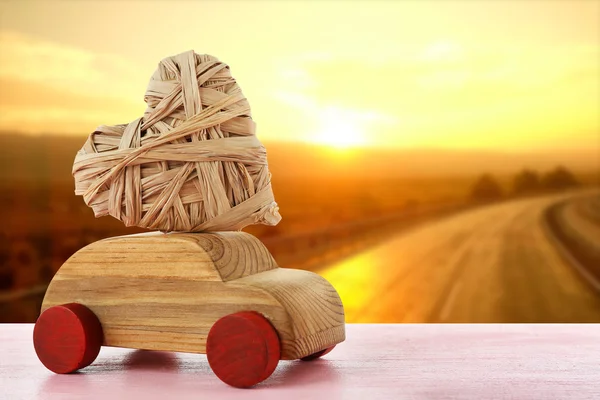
(191, 163)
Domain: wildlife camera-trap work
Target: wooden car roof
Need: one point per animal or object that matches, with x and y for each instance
(220, 256)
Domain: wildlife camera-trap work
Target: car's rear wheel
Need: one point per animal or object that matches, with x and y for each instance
(318, 354)
(67, 337)
(243, 349)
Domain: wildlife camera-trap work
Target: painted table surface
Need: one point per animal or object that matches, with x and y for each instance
(376, 362)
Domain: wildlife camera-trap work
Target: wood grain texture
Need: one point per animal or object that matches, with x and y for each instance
(243, 349)
(165, 291)
(314, 307)
(318, 354)
(236, 255)
(67, 338)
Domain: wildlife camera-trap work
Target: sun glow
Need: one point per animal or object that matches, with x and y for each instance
(340, 129)
(440, 76)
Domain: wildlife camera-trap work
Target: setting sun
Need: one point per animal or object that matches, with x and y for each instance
(508, 75)
(339, 129)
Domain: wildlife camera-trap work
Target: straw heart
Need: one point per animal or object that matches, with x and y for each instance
(191, 163)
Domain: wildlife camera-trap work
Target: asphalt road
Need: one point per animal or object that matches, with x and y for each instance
(491, 264)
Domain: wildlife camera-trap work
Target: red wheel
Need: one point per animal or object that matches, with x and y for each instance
(318, 354)
(67, 338)
(243, 349)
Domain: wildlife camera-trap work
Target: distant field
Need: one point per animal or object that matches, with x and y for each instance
(333, 206)
(323, 221)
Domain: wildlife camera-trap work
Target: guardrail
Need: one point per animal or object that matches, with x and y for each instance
(574, 250)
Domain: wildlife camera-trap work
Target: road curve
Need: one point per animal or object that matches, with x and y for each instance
(492, 264)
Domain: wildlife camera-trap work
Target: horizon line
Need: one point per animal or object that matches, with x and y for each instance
(364, 146)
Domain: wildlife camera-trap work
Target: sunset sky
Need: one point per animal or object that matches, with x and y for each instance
(495, 74)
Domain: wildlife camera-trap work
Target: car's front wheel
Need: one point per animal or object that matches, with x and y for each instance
(243, 349)
(67, 337)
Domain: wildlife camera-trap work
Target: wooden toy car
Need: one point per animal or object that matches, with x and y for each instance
(220, 293)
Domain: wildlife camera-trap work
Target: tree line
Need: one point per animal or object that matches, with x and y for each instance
(526, 182)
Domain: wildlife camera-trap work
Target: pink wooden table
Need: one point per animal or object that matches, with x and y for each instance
(376, 362)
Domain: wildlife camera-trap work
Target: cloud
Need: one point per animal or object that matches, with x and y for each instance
(458, 77)
(34, 59)
(74, 89)
(445, 92)
(36, 107)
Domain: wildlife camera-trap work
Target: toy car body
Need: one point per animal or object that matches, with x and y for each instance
(167, 292)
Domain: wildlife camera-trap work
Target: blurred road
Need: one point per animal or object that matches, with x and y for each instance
(492, 264)
(582, 215)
